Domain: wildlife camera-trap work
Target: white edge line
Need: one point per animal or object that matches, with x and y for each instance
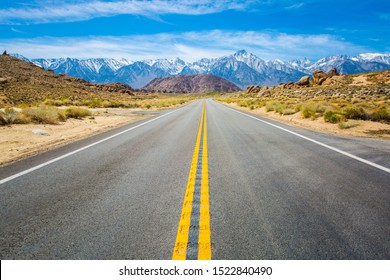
(317, 142)
(81, 149)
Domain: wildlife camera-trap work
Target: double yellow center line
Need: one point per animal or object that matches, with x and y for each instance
(193, 234)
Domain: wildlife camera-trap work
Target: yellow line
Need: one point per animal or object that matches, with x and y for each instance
(204, 244)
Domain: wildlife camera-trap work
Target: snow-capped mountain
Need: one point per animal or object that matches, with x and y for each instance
(241, 68)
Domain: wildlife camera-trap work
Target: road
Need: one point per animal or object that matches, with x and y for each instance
(243, 186)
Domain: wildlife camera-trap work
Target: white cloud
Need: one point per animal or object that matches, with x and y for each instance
(189, 46)
(49, 11)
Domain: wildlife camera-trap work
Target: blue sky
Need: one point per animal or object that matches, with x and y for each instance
(193, 29)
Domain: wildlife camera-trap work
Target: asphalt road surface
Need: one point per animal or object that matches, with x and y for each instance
(202, 181)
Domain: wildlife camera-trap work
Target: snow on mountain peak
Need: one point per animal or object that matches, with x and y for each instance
(241, 68)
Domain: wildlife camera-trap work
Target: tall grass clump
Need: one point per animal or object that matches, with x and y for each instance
(95, 103)
(355, 113)
(44, 115)
(308, 112)
(380, 115)
(77, 113)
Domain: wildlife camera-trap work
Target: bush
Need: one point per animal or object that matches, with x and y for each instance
(77, 113)
(43, 115)
(8, 116)
(272, 106)
(355, 113)
(380, 115)
(308, 112)
(333, 117)
(95, 103)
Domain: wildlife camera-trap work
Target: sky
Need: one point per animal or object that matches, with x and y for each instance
(193, 29)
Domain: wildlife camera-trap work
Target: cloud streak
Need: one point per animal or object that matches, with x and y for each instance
(189, 46)
(47, 12)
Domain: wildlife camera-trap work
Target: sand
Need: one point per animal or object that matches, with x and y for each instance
(18, 141)
(365, 129)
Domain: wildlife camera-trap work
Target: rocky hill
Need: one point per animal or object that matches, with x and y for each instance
(201, 83)
(24, 82)
(331, 84)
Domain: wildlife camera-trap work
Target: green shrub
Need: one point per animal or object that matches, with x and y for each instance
(77, 113)
(95, 103)
(355, 113)
(308, 112)
(380, 115)
(333, 117)
(272, 106)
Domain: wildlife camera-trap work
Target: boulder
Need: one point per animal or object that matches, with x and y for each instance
(264, 93)
(40, 132)
(253, 89)
(332, 72)
(327, 82)
(304, 81)
(318, 76)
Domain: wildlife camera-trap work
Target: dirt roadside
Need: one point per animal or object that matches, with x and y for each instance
(19, 142)
(365, 129)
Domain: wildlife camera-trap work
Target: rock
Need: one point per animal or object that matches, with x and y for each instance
(327, 82)
(40, 132)
(332, 72)
(304, 81)
(264, 93)
(317, 76)
(253, 89)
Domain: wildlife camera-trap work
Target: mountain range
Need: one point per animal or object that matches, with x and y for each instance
(241, 68)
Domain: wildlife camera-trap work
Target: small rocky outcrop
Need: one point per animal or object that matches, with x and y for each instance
(304, 81)
(319, 77)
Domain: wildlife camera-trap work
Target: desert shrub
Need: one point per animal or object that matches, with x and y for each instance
(243, 103)
(77, 113)
(95, 103)
(333, 117)
(346, 125)
(272, 106)
(355, 113)
(308, 112)
(62, 115)
(8, 116)
(288, 111)
(43, 115)
(147, 106)
(380, 115)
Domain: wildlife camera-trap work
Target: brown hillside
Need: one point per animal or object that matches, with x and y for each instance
(191, 84)
(23, 82)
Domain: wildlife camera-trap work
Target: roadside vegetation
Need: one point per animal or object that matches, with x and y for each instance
(333, 110)
(55, 111)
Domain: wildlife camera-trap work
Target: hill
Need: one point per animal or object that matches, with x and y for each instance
(191, 84)
(24, 82)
